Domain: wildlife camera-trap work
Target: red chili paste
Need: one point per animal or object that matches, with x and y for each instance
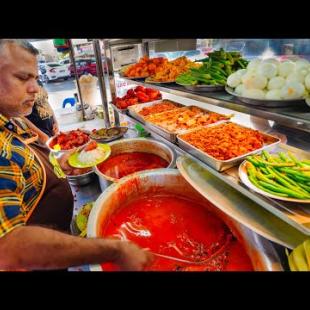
(120, 165)
(179, 228)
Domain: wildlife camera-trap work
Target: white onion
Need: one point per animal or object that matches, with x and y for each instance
(241, 72)
(286, 67)
(254, 81)
(253, 64)
(268, 70)
(276, 82)
(307, 81)
(253, 93)
(295, 77)
(302, 64)
(234, 80)
(292, 90)
(274, 94)
(273, 61)
(239, 89)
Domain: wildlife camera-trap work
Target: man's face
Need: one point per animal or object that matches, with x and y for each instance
(18, 81)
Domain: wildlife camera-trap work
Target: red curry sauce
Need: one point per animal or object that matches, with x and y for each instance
(120, 165)
(179, 228)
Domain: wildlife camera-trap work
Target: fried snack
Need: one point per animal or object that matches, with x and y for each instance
(145, 67)
(225, 141)
(186, 118)
(169, 71)
(165, 105)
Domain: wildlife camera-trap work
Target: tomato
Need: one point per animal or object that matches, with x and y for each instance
(91, 146)
(139, 88)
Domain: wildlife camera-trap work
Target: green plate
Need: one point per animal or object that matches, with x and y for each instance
(74, 160)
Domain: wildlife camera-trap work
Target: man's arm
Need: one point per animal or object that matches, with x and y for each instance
(35, 248)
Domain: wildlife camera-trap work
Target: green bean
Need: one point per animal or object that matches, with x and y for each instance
(276, 164)
(294, 172)
(266, 155)
(274, 171)
(252, 161)
(284, 180)
(306, 187)
(284, 158)
(262, 177)
(283, 190)
(255, 182)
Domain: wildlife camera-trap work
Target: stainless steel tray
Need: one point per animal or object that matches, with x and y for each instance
(135, 109)
(203, 88)
(266, 103)
(122, 111)
(221, 165)
(171, 135)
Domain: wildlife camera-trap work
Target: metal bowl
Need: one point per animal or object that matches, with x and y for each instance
(61, 152)
(261, 252)
(82, 179)
(110, 136)
(136, 145)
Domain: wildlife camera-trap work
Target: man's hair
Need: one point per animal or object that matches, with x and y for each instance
(20, 42)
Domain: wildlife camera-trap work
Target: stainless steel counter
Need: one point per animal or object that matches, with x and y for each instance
(291, 135)
(296, 117)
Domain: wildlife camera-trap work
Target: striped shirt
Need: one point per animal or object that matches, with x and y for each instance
(22, 177)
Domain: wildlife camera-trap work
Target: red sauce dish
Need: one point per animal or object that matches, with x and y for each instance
(121, 165)
(177, 227)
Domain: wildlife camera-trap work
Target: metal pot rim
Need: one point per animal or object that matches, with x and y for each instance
(268, 257)
(108, 178)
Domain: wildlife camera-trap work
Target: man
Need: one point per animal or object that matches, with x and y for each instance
(31, 196)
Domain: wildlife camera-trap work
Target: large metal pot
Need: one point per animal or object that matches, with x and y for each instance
(261, 252)
(136, 145)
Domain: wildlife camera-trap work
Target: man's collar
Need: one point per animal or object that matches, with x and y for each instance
(6, 123)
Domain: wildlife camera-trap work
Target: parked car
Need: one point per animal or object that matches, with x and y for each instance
(55, 71)
(65, 61)
(84, 66)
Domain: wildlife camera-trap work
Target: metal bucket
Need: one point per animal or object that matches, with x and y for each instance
(136, 145)
(261, 252)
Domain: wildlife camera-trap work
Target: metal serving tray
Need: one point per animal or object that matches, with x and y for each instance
(265, 102)
(204, 88)
(135, 109)
(151, 81)
(172, 135)
(221, 165)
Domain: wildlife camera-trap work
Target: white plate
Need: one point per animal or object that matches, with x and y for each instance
(245, 179)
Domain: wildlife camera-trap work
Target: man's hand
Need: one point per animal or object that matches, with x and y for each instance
(131, 257)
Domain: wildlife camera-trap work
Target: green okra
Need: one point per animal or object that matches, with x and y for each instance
(283, 190)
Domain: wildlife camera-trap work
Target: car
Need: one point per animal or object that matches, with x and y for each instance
(84, 66)
(55, 71)
(65, 61)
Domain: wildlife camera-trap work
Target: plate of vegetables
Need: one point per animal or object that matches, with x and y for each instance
(213, 73)
(271, 82)
(280, 176)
